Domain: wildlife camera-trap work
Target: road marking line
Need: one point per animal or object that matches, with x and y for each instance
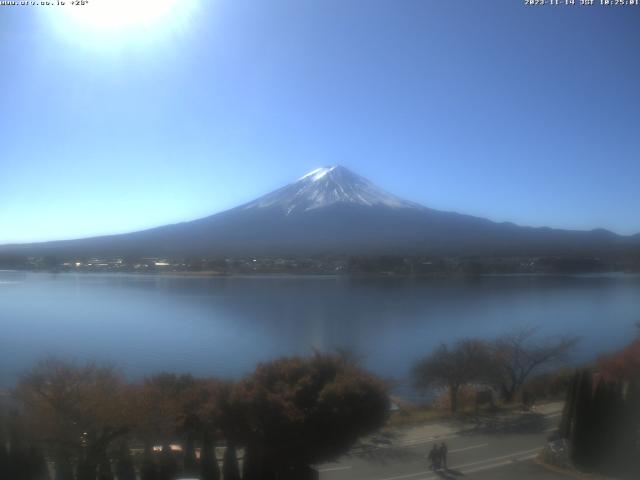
(487, 460)
(501, 464)
(430, 438)
(418, 441)
(487, 467)
(528, 457)
(334, 469)
(469, 448)
(523, 452)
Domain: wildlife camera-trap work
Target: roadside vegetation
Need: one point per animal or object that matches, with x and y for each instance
(600, 427)
(488, 371)
(68, 421)
(91, 424)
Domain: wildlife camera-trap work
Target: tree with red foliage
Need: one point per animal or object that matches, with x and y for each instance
(77, 409)
(303, 411)
(623, 365)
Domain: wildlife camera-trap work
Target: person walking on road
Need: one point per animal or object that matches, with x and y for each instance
(434, 457)
(443, 450)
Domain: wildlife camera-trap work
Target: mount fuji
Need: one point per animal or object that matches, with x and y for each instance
(332, 210)
(328, 186)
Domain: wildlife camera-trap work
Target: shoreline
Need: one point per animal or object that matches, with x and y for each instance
(218, 274)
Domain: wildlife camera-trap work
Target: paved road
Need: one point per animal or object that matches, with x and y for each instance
(505, 451)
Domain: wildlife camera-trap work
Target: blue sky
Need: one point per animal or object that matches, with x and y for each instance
(525, 114)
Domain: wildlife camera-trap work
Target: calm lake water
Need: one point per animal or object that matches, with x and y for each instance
(224, 326)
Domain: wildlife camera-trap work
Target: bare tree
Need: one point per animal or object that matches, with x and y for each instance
(467, 361)
(518, 354)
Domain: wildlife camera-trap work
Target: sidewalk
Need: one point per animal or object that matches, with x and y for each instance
(442, 429)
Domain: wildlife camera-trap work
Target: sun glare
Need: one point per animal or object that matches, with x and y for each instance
(116, 14)
(110, 22)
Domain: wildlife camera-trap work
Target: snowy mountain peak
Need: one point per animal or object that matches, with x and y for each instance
(318, 173)
(327, 186)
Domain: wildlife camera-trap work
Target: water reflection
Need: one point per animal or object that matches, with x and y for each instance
(224, 326)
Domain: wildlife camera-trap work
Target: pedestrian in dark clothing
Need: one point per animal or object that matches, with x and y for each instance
(434, 457)
(443, 450)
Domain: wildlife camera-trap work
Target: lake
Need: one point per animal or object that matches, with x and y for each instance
(223, 326)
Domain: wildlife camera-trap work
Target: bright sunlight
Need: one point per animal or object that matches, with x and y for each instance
(118, 14)
(112, 22)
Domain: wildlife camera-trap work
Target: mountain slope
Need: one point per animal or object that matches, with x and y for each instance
(327, 186)
(332, 210)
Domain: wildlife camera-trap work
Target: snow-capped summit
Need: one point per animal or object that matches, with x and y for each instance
(327, 186)
(318, 173)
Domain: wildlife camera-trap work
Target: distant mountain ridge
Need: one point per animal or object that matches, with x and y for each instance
(332, 210)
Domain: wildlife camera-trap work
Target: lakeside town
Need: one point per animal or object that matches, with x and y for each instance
(389, 265)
